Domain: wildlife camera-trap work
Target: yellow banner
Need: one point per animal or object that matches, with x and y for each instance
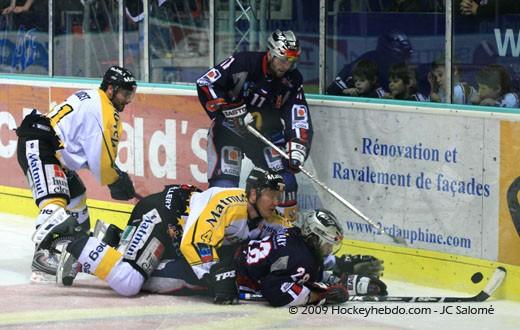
(509, 212)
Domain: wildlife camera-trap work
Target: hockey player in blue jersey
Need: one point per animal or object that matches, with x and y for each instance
(263, 89)
(287, 268)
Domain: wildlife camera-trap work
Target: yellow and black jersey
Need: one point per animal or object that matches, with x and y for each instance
(218, 216)
(89, 128)
(270, 226)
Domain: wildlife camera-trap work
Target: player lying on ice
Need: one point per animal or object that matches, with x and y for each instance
(167, 249)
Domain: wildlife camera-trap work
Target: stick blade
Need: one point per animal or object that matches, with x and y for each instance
(496, 280)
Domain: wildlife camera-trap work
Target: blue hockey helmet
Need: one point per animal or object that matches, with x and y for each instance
(395, 43)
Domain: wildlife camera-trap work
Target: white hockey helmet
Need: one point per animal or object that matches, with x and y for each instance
(320, 227)
(284, 45)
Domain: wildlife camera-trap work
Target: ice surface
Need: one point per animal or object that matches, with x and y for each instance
(90, 304)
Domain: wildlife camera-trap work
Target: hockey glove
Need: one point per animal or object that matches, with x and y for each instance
(222, 282)
(358, 265)
(323, 294)
(237, 117)
(123, 188)
(297, 153)
(358, 285)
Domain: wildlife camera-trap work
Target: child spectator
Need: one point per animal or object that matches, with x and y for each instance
(365, 80)
(462, 92)
(402, 84)
(495, 88)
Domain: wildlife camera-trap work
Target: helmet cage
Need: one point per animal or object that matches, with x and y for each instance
(321, 226)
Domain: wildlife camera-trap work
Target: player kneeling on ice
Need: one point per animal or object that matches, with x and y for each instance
(287, 267)
(194, 244)
(82, 132)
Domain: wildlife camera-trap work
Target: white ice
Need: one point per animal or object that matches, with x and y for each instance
(88, 306)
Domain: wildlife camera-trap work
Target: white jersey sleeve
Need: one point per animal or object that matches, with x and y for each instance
(509, 100)
(89, 129)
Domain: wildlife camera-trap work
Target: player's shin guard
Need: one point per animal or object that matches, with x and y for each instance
(78, 209)
(106, 263)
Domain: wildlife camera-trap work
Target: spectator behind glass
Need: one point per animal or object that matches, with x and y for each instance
(392, 48)
(409, 6)
(403, 83)
(13, 8)
(462, 91)
(28, 15)
(495, 88)
(365, 76)
(415, 95)
(488, 8)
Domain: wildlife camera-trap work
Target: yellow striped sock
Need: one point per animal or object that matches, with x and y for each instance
(110, 259)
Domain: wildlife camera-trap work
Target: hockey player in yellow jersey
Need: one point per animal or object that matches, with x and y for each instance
(222, 217)
(176, 239)
(80, 133)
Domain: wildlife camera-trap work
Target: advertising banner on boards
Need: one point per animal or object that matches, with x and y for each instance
(431, 178)
(446, 183)
(163, 142)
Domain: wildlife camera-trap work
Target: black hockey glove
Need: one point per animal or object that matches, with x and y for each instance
(222, 283)
(358, 285)
(237, 117)
(323, 294)
(297, 152)
(358, 265)
(123, 188)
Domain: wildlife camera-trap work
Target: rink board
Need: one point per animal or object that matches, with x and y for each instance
(437, 177)
(468, 156)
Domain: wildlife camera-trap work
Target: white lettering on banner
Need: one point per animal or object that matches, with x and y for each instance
(7, 150)
(200, 153)
(134, 146)
(162, 149)
(161, 143)
(507, 41)
(161, 152)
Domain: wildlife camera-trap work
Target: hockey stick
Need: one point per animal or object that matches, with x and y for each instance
(493, 284)
(380, 229)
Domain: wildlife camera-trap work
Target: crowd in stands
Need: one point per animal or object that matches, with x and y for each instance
(386, 72)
